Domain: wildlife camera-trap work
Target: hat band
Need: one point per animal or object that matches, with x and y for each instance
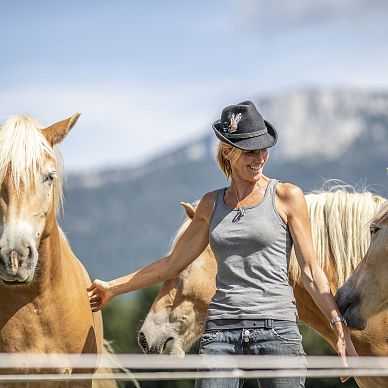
(245, 135)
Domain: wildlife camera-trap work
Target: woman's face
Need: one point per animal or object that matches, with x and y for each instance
(249, 166)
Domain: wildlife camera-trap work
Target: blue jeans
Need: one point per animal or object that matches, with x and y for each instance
(282, 340)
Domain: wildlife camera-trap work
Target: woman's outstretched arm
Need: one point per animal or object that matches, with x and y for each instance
(190, 245)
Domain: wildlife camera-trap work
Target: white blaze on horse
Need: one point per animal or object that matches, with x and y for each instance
(43, 298)
(365, 293)
(338, 218)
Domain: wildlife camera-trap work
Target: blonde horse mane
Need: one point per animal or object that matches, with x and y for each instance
(339, 221)
(23, 149)
(381, 214)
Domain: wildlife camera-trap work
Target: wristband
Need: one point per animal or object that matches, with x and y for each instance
(338, 318)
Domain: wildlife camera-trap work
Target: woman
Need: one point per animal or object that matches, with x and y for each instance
(251, 226)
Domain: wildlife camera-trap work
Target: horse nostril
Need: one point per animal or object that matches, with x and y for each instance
(168, 345)
(143, 342)
(344, 307)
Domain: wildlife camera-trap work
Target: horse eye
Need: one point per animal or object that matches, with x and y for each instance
(373, 229)
(49, 177)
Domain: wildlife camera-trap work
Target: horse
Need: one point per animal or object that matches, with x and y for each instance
(177, 316)
(43, 297)
(365, 293)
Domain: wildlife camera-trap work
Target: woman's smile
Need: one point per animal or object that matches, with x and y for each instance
(256, 168)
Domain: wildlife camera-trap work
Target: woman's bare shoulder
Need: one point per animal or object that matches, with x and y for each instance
(206, 205)
(210, 196)
(289, 192)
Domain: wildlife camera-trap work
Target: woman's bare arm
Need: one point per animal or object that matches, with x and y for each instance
(190, 245)
(314, 279)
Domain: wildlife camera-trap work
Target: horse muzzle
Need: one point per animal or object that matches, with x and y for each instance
(349, 307)
(162, 344)
(17, 266)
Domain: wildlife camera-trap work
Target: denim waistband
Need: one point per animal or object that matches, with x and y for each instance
(220, 324)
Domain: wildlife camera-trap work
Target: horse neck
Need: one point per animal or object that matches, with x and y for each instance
(51, 264)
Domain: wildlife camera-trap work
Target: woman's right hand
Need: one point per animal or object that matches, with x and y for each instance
(100, 294)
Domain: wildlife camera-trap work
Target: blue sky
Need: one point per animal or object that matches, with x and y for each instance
(150, 75)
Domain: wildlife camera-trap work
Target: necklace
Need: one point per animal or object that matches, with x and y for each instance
(240, 209)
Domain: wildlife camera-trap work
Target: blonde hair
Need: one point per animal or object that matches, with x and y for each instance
(23, 150)
(223, 163)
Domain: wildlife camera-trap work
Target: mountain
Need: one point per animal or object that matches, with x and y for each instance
(118, 220)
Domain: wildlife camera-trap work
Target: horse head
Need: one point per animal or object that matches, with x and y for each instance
(365, 293)
(31, 188)
(178, 315)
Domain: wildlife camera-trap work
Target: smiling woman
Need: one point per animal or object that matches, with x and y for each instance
(44, 305)
(251, 226)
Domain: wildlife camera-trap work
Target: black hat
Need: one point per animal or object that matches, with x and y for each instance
(242, 126)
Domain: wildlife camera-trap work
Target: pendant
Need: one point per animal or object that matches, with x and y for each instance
(241, 211)
(239, 215)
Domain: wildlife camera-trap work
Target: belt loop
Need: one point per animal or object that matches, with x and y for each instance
(268, 323)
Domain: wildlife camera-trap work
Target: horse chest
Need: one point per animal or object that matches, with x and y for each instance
(45, 328)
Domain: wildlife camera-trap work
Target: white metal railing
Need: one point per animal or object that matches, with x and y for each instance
(41, 367)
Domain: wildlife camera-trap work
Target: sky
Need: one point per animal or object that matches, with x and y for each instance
(148, 76)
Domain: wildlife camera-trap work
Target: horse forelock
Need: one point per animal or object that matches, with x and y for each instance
(339, 224)
(23, 150)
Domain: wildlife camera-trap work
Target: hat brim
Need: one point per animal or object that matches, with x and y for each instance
(265, 140)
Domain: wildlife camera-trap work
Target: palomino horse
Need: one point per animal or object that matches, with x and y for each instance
(365, 293)
(178, 314)
(43, 298)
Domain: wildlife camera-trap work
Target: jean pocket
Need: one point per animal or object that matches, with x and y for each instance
(210, 336)
(287, 333)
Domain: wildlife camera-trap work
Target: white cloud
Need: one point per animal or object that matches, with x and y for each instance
(278, 16)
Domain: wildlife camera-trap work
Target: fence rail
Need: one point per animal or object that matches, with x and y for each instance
(44, 367)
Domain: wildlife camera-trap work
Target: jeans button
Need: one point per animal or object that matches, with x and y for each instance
(246, 335)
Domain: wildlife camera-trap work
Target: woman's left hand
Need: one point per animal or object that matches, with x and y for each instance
(344, 345)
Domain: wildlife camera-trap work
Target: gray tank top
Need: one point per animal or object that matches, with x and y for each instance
(253, 254)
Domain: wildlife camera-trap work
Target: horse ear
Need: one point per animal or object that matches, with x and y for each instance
(56, 133)
(190, 209)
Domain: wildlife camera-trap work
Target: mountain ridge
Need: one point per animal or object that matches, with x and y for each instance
(120, 219)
